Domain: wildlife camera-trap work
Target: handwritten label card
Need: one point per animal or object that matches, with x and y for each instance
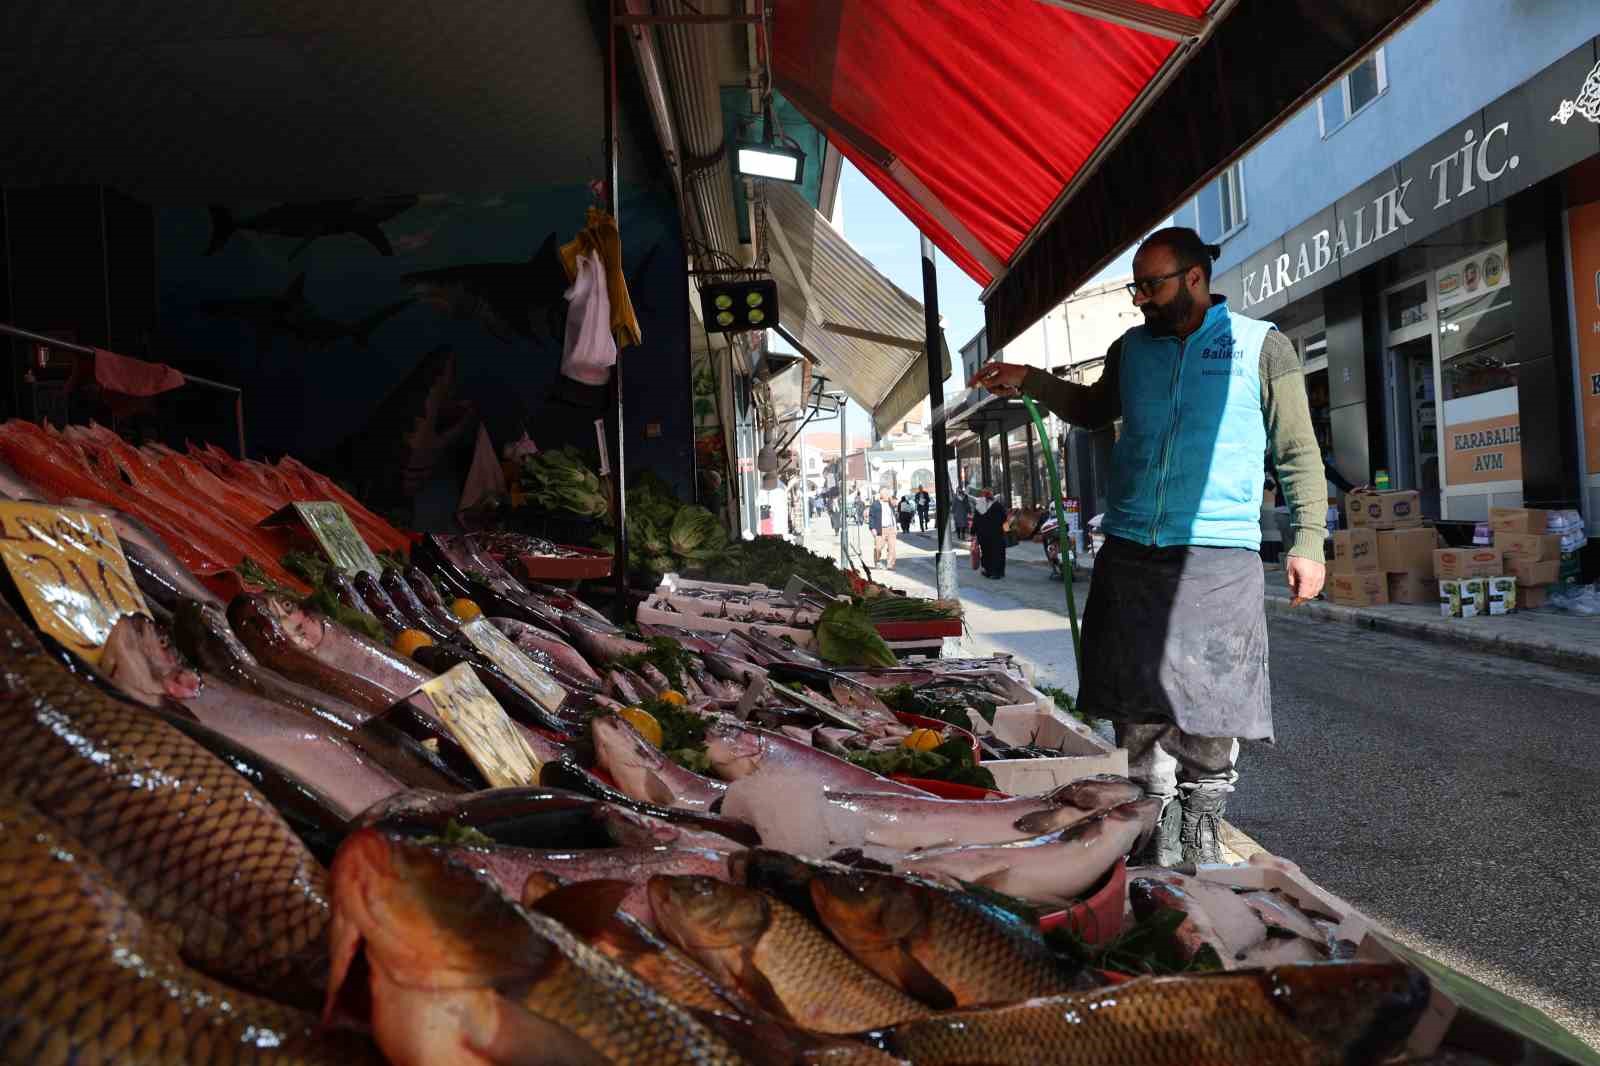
(482, 728)
(526, 674)
(71, 572)
(334, 533)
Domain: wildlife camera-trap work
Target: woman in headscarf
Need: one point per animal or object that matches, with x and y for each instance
(988, 526)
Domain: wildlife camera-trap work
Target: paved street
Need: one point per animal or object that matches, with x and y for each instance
(1451, 796)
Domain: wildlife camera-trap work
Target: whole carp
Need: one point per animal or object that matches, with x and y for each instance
(766, 950)
(139, 663)
(643, 772)
(319, 652)
(204, 853)
(589, 909)
(1055, 868)
(510, 868)
(945, 947)
(1332, 1014)
(89, 981)
(457, 975)
(859, 819)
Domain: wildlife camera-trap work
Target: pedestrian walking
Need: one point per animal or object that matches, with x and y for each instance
(881, 520)
(1175, 632)
(907, 510)
(988, 527)
(860, 508)
(961, 513)
(922, 508)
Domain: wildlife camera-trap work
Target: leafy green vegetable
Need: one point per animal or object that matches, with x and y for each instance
(325, 601)
(946, 704)
(309, 566)
(847, 637)
(696, 533)
(251, 572)
(456, 833)
(562, 481)
(771, 561)
(951, 761)
(665, 654)
(692, 759)
(892, 608)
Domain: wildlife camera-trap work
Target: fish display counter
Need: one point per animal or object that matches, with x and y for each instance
(388, 801)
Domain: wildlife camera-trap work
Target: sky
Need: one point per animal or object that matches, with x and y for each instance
(878, 230)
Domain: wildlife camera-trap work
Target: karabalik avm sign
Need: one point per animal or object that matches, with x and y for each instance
(1477, 162)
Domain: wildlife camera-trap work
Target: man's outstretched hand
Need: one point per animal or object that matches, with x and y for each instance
(1002, 379)
(1305, 579)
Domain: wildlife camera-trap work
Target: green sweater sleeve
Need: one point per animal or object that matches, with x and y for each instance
(1085, 406)
(1293, 445)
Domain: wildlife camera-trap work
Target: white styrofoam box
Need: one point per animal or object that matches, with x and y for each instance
(652, 612)
(1033, 777)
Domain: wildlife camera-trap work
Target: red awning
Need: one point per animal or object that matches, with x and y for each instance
(1034, 139)
(975, 113)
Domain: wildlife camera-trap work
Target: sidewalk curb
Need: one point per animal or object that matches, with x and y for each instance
(1535, 651)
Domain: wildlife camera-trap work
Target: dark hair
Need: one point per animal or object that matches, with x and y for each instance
(1187, 246)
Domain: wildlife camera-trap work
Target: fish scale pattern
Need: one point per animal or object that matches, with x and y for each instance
(1223, 1019)
(86, 980)
(194, 845)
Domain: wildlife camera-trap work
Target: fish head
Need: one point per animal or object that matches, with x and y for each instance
(703, 913)
(200, 628)
(140, 663)
(869, 910)
(1366, 1009)
(301, 626)
(423, 921)
(617, 738)
(1096, 792)
(1138, 818)
(734, 753)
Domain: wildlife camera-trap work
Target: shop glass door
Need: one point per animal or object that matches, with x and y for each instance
(1412, 393)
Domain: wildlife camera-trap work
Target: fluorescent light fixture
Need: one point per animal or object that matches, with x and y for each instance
(771, 161)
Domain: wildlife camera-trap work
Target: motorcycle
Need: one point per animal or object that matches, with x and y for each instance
(1052, 542)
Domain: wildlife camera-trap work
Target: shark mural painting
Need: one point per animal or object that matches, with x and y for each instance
(376, 335)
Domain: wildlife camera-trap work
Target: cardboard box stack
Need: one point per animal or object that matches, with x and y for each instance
(1464, 575)
(1387, 541)
(1353, 575)
(1533, 555)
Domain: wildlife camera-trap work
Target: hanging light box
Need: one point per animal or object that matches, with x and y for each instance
(737, 306)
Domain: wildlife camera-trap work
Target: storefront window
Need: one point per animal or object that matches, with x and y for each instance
(1476, 349)
(1408, 306)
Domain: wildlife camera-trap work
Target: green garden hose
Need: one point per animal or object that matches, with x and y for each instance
(1061, 529)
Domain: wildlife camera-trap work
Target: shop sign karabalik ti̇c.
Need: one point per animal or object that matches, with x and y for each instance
(1457, 174)
(1525, 136)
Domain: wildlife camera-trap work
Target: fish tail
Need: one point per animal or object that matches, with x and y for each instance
(222, 228)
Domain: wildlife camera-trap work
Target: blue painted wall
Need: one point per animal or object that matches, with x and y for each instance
(1454, 58)
(304, 401)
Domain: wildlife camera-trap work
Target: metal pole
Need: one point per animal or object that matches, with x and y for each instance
(619, 478)
(944, 564)
(844, 514)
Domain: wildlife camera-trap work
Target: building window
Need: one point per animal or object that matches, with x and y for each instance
(1220, 206)
(1353, 93)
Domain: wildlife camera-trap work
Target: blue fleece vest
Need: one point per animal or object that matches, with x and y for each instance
(1188, 467)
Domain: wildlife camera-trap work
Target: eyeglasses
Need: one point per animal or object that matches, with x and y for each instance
(1148, 286)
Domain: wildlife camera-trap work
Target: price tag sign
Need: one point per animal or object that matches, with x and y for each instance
(526, 674)
(334, 533)
(71, 572)
(481, 727)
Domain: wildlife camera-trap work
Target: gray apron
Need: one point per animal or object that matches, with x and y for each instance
(1178, 635)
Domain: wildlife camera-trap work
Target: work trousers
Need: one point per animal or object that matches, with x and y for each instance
(1164, 760)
